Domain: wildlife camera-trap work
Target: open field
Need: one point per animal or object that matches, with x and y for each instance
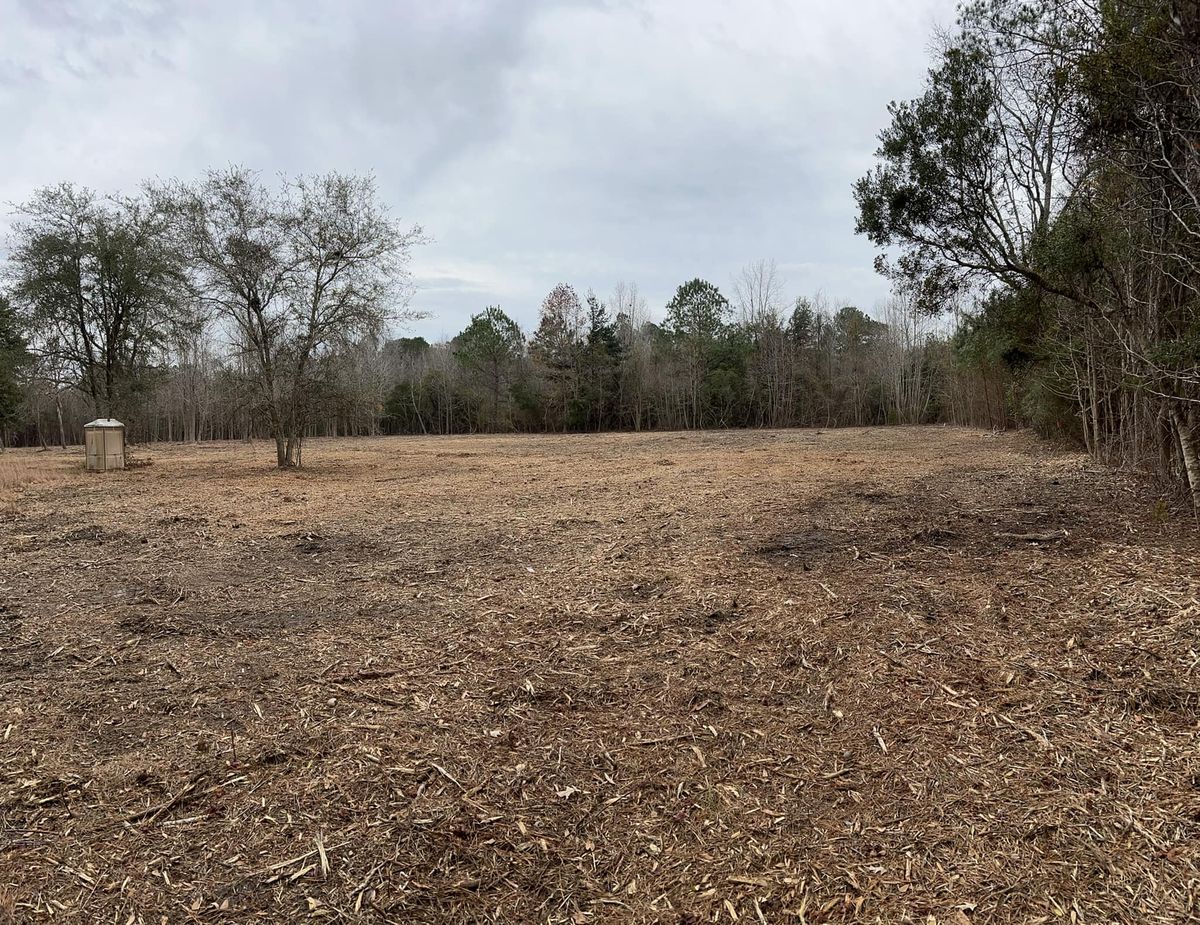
(895, 675)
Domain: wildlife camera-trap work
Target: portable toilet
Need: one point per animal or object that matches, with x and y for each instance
(104, 439)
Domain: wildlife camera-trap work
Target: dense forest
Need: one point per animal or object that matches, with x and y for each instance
(1036, 207)
(1050, 171)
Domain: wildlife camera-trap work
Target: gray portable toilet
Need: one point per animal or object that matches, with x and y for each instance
(104, 439)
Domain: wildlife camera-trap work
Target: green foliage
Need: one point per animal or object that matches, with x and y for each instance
(13, 358)
(1181, 354)
(560, 347)
(1007, 329)
(602, 331)
(725, 392)
(1075, 247)
(408, 346)
(596, 405)
(968, 175)
(489, 348)
(559, 337)
(928, 192)
(697, 312)
(1124, 68)
(695, 320)
(1016, 331)
(491, 338)
(98, 280)
(1044, 406)
(1050, 164)
(529, 405)
(802, 324)
(854, 330)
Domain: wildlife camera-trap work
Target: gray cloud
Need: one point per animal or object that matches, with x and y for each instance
(537, 142)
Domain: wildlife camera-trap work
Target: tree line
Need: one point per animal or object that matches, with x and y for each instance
(225, 310)
(752, 360)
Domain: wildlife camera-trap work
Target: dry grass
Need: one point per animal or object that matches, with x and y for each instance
(23, 470)
(907, 675)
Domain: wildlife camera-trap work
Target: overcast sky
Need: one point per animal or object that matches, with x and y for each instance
(579, 141)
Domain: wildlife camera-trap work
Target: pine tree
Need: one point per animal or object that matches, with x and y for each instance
(13, 357)
(696, 318)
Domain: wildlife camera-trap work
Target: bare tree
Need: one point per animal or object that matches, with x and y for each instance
(296, 275)
(631, 316)
(758, 291)
(558, 346)
(904, 356)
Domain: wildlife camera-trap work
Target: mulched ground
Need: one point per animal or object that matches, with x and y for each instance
(895, 675)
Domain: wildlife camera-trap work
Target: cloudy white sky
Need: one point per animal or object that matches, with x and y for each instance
(537, 141)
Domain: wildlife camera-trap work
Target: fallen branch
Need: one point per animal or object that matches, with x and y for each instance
(151, 813)
(1033, 537)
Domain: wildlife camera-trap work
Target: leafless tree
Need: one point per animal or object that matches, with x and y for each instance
(296, 274)
(905, 356)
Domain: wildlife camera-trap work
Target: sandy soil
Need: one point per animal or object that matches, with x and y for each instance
(893, 675)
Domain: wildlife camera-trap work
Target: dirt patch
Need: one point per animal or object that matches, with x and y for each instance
(977, 514)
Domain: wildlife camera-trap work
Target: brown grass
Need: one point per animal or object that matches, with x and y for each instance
(26, 470)
(905, 675)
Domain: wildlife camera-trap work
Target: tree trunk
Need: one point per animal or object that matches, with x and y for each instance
(1184, 425)
(290, 451)
(62, 430)
(412, 394)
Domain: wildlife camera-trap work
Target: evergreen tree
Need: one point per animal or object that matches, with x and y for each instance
(602, 365)
(13, 357)
(489, 347)
(696, 317)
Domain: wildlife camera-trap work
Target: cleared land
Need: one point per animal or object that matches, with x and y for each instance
(880, 675)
